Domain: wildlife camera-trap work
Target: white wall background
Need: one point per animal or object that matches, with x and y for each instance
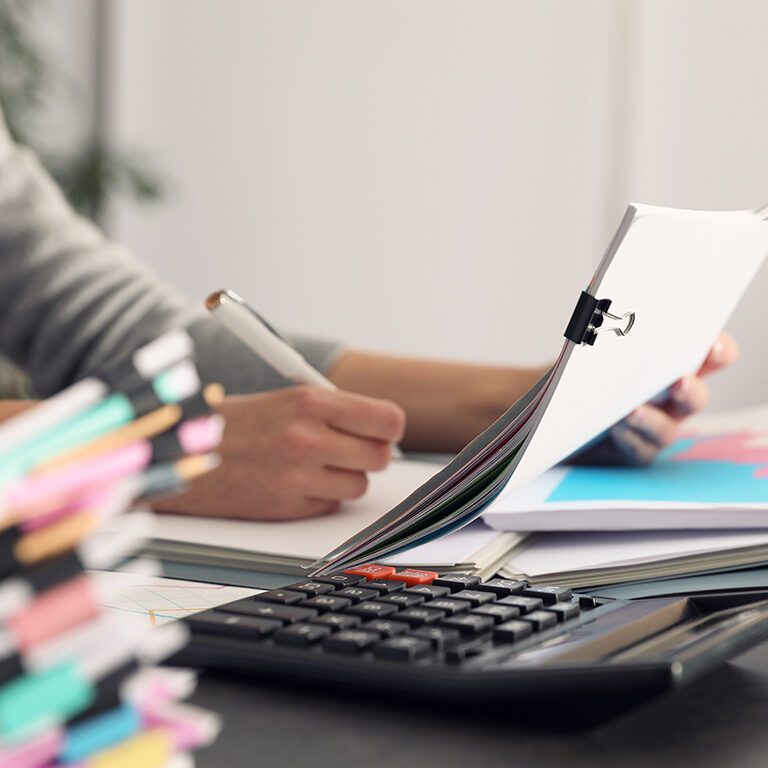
(435, 177)
(66, 33)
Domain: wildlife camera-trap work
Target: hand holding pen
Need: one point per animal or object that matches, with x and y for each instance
(254, 331)
(293, 452)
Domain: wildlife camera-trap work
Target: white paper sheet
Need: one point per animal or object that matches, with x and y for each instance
(307, 539)
(564, 552)
(682, 273)
(450, 549)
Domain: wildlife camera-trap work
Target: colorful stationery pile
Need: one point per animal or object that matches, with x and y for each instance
(77, 683)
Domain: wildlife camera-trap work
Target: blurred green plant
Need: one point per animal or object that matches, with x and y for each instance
(89, 175)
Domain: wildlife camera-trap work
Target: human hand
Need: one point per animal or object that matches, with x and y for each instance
(292, 453)
(638, 438)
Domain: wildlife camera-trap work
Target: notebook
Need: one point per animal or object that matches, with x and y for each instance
(291, 547)
(716, 479)
(665, 288)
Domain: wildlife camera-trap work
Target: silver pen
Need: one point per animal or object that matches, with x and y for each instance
(254, 331)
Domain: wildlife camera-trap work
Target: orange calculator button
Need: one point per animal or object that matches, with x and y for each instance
(372, 571)
(412, 577)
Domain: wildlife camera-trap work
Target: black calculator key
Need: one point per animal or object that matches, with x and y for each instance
(287, 614)
(523, 604)
(474, 596)
(541, 619)
(503, 587)
(284, 596)
(339, 579)
(337, 621)
(549, 594)
(386, 627)
(311, 588)
(440, 637)
(564, 611)
(356, 594)
(499, 613)
(429, 591)
(301, 635)
(233, 624)
(457, 581)
(450, 606)
(401, 600)
(350, 641)
(469, 624)
(402, 648)
(512, 631)
(419, 615)
(371, 610)
(325, 603)
(384, 587)
(587, 603)
(457, 652)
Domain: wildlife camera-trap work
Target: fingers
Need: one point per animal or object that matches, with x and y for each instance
(331, 484)
(724, 352)
(349, 452)
(632, 446)
(643, 434)
(686, 397)
(653, 425)
(297, 452)
(366, 417)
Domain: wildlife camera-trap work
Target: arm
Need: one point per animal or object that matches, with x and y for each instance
(448, 404)
(73, 304)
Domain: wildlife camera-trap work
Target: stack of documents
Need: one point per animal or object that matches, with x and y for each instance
(701, 507)
(642, 323)
(291, 547)
(77, 682)
(591, 559)
(705, 480)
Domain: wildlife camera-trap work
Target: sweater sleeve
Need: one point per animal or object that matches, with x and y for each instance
(73, 303)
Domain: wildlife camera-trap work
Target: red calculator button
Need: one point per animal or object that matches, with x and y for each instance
(413, 577)
(372, 571)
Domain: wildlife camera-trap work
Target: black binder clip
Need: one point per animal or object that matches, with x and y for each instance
(587, 320)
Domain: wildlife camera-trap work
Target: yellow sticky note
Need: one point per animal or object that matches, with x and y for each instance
(150, 749)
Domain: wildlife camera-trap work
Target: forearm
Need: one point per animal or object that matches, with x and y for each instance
(446, 404)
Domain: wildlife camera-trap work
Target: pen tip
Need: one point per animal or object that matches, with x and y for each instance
(214, 300)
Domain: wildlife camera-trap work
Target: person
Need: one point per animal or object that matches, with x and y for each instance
(72, 304)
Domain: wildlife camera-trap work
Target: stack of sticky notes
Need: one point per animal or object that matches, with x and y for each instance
(78, 685)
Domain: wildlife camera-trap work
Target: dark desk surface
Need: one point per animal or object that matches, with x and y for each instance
(720, 720)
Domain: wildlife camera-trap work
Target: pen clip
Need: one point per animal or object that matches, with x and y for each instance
(240, 300)
(268, 325)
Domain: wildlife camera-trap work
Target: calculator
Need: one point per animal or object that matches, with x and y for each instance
(457, 638)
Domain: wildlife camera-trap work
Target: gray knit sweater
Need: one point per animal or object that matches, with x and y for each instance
(72, 302)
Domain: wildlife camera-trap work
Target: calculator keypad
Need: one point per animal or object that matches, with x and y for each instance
(413, 617)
